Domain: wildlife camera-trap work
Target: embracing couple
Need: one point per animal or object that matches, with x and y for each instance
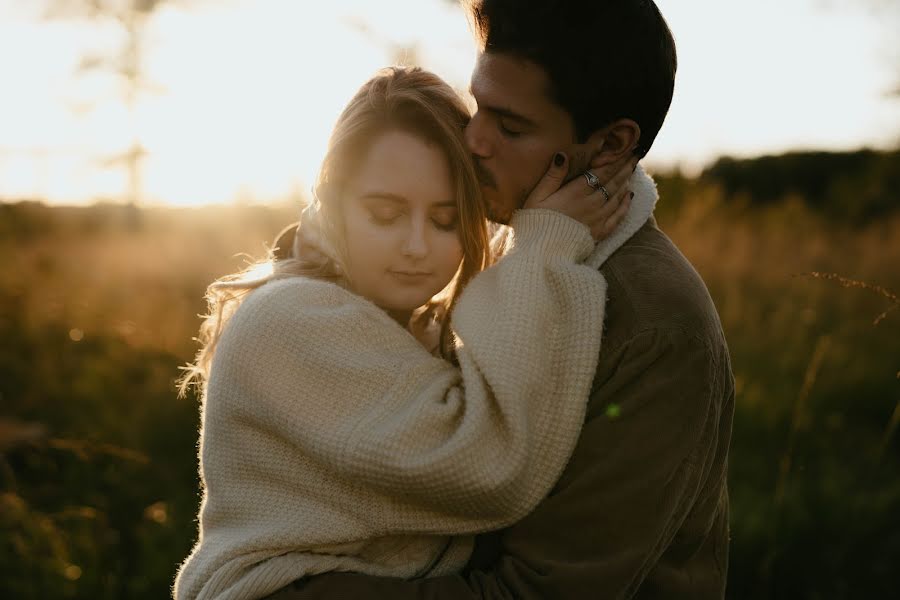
(413, 403)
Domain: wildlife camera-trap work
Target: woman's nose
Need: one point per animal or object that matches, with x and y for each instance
(415, 245)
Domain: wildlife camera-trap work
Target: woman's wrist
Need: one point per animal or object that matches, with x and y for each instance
(550, 233)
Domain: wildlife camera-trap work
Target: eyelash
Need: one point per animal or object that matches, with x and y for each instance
(437, 224)
(382, 221)
(442, 227)
(507, 131)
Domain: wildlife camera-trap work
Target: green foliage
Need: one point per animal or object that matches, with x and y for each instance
(103, 507)
(98, 484)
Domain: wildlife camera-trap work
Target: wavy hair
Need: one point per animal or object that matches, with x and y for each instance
(398, 98)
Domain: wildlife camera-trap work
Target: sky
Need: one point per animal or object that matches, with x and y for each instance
(241, 94)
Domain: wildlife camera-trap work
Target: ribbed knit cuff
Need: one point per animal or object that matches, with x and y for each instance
(550, 233)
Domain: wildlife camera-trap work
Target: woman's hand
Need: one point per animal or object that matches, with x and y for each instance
(582, 201)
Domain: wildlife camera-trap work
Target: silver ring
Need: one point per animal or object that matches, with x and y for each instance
(594, 182)
(605, 194)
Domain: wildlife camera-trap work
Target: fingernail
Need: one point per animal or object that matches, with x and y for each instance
(558, 159)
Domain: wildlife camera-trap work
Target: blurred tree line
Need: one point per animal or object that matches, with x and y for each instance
(98, 473)
(854, 187)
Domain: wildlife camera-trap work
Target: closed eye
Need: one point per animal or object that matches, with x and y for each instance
(444, 225)
(445, 218)
(384, 215)
(507, 129)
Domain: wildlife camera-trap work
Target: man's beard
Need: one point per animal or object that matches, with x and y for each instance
(502, 213)
(488, 184)
(496, 217)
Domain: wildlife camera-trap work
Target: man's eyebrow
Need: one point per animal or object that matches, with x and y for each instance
(507, 113)
(504, 112)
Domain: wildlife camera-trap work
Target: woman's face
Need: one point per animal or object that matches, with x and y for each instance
(401, 223)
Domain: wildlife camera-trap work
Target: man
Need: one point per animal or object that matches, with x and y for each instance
(641, 510)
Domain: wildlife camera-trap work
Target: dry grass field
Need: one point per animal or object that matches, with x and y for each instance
(98, 305)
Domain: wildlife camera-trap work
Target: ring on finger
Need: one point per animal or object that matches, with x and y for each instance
(594, 182)
(605, 193)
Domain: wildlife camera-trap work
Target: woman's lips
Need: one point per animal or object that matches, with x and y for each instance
(410, 276)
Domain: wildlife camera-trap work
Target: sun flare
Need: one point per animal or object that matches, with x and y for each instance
(237, 97)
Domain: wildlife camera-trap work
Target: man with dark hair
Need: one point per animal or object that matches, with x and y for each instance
(641, 510)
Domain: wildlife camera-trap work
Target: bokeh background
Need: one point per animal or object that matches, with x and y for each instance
(150, 146)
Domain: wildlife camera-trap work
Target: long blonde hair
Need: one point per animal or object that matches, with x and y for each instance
(405, 98)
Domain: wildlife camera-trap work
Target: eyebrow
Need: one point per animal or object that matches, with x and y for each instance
(398, 199)
(376, 195)
(504, 112)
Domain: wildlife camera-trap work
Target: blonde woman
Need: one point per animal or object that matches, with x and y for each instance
(332, 438)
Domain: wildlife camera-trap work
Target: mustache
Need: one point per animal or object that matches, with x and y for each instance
(485, 177)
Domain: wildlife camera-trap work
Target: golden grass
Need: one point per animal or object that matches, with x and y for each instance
(808, 307)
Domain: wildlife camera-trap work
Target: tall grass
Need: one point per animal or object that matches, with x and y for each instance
(98, 491)
(815, 499)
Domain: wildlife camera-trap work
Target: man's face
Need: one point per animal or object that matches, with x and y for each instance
(516, 131)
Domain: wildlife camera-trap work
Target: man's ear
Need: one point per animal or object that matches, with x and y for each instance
(613, 143)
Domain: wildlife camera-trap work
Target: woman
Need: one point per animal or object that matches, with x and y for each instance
(332, 439)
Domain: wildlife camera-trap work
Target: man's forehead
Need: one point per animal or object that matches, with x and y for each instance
(508, 82)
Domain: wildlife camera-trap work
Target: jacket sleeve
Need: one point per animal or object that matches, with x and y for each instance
(650, 434)
(430, 448)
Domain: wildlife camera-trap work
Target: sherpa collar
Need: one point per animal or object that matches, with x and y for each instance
(642, 206)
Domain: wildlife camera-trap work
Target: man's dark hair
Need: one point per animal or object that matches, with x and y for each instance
(606, 59)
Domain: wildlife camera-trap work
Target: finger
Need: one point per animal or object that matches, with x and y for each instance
(613, 223)
(550, 182)
(606, 209)
(623, 175)
(602, 215)
(605, 174)
(610, 224)
(603, 212)
(579, 189)
(616, 175)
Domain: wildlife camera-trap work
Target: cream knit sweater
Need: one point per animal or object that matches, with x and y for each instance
(332, 440)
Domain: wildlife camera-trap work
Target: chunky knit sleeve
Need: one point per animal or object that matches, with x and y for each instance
(317, 394)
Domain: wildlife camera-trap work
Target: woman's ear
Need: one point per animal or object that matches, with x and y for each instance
(612, 143)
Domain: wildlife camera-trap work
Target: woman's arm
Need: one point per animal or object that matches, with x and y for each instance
(493, 443)
(326, 378)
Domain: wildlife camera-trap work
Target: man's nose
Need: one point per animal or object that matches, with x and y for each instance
(477, 138)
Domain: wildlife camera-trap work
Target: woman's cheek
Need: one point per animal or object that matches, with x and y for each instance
(452, 250)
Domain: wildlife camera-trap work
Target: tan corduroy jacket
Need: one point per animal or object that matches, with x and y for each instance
(641, 510)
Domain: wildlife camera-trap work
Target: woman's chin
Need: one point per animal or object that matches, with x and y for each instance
(405, 301)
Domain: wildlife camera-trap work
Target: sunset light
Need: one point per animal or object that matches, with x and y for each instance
(238, 97)
(485, 359)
